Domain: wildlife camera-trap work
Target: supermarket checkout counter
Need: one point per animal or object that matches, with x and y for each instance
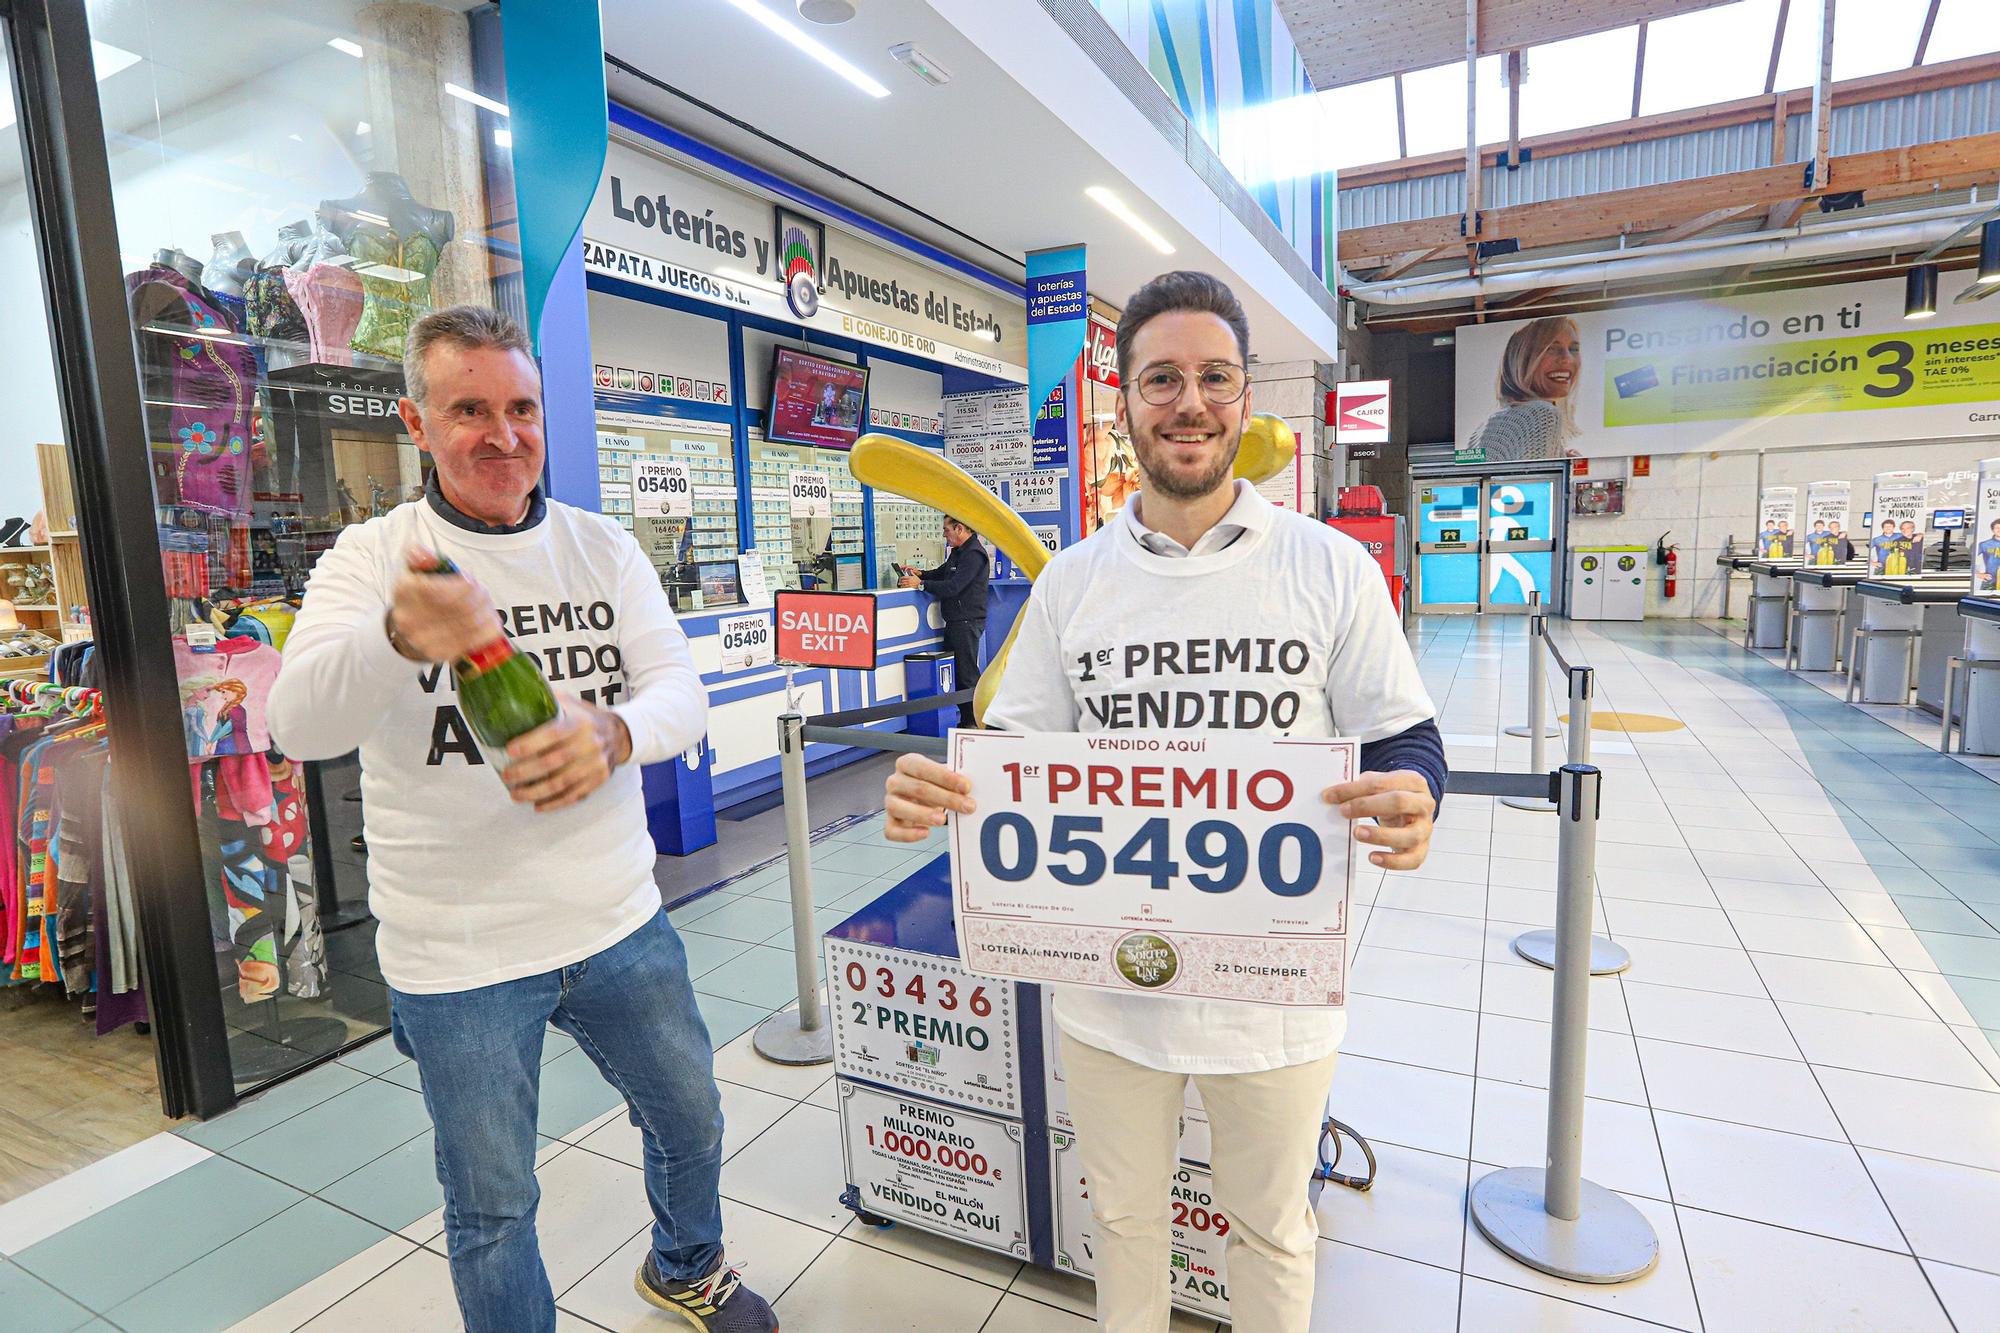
(1976, 707)
(1901, 624)
(1770, 610)
(1818, 622)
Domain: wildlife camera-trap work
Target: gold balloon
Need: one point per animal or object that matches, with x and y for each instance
(927, 477)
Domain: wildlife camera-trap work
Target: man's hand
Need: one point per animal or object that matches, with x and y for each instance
(561, 762)
(1402, 807)
(920, 793)
(909, 581)
(440, 617)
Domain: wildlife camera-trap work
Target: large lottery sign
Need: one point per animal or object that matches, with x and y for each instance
(942, 1167)
(918, 1022)
(1175, 863)
(1196, 1273)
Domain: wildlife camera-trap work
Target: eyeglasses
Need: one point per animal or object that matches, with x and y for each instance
(1222, 383)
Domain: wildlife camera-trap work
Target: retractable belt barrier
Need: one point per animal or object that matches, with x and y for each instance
(1549, 1218)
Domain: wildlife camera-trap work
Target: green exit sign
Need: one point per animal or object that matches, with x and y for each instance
(1476, 454)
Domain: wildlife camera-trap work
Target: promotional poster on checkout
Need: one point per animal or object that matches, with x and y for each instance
(1986, 531)
(1833, 365)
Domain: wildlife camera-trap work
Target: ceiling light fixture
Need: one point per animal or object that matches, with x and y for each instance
(1920, 291)
(477, 99)
(345, 46)
(1988, 280)
(919, 64)
(826, 11)
(810, 45)
(1115, 206)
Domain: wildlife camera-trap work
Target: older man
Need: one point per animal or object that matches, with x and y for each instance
(514, 899)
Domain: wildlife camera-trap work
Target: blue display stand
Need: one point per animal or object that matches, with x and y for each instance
(927, 675)
(680, 801)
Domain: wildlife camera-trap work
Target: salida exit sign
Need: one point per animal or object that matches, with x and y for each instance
(827, 629)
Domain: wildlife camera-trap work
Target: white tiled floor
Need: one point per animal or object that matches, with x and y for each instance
(1796, 1082)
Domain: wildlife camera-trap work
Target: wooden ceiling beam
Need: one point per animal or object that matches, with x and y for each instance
(1694, 226)
(1403, 263)
(1874, 88)
(1655, 207)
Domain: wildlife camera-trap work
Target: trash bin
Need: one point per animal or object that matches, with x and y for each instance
(925, 675)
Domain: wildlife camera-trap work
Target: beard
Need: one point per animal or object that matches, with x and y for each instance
(1159, 472)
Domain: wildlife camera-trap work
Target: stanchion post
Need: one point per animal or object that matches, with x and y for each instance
(1607, 957)
(1538, 693)
(800, 1036)
(1538, 681)
(1551, 1218)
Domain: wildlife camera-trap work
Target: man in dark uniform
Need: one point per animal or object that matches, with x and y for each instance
(959, 584)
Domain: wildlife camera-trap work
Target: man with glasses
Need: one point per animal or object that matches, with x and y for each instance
(1179, 596)
(959, 584)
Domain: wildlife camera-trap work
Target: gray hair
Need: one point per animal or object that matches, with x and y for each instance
(468, 326)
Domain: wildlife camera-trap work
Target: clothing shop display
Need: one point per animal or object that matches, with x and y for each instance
(397, 244)
(199, 386)
(329, 298)
(66, 908)
(250, 810)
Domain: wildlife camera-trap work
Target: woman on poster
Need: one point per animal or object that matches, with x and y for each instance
(1538, 373)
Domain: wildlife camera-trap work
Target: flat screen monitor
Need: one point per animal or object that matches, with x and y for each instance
(815, 401)
(1947, 520)
(719, 582)
(849, 573)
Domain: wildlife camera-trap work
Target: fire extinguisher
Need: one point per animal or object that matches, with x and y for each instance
(1670, 561)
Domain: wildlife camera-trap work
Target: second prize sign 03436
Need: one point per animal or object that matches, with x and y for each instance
(1173, 863)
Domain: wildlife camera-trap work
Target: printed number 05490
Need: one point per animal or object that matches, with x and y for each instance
(1009, 850)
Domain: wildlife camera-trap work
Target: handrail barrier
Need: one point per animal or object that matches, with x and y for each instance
(1538, 685)
(1549, 1217)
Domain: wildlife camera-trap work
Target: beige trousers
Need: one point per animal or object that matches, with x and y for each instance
(1266, 1129)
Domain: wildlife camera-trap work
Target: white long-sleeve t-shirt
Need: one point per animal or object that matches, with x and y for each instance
(471, 889)
(1272, 623)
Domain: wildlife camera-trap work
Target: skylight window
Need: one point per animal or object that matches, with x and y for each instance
(1578, 82)
(1434, 107)
(1709, 56)
(1964, 28)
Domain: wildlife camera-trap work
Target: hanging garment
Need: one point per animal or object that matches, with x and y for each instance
(223, 695)
(272, 313)
(330, 299)
(198, 381)
(396, 279)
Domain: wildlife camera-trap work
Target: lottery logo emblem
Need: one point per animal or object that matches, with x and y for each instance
(798, 265)
(802, 294)
(1146, 960)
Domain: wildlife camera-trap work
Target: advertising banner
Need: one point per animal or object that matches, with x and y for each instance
(1195, 1269)
(827, 629)
(1818, 367)
(1175, 863)
(1777, 522)
(920, 1023)
(665, 225)
(946, 1169)
(1899, 513)
(1986, 530)
(1829, 512)
(1110, 468)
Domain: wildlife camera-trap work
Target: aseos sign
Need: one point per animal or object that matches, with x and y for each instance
(827, 629)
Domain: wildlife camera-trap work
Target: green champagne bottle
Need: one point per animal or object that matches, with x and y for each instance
(500, 690)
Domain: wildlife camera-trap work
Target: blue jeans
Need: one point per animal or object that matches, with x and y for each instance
(479, 1052)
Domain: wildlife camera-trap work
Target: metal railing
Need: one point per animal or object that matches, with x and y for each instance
(1549, 1218)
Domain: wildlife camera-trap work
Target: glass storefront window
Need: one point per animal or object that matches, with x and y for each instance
(907, 535)
(294, 188)
(690, 553)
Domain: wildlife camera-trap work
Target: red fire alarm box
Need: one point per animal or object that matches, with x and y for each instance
(827, 629)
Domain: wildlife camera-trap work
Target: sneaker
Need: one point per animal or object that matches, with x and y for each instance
(718, 1303)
